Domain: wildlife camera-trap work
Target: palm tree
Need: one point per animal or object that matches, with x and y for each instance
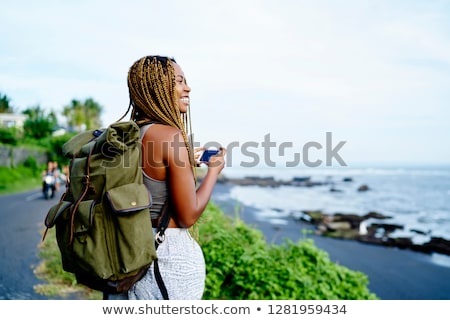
(39, 124)
(92, 113)
(5, 104)
(83, 115)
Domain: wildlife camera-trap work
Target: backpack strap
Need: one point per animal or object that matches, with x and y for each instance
(86, 180)
(95, 135)
(163, 222)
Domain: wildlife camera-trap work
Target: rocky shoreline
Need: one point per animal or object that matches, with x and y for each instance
(372, 227)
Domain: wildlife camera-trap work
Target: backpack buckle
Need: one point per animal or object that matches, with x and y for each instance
(86, 179)
(160, 237)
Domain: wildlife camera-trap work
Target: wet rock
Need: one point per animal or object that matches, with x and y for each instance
(313, 216)
(363, 187)
(333, 189)
(271, 181)
(254, 180)
(376, 215)
(301, 179)
(387, 227)
(356, 227)
(439, 245)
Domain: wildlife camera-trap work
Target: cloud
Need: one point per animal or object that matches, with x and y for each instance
(365, 70)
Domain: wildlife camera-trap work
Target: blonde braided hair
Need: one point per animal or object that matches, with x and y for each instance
(151, 85)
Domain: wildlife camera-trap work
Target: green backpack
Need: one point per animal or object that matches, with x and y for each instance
(103, 226)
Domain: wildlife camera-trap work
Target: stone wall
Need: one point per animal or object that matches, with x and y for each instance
(5, 156)
(13, 156)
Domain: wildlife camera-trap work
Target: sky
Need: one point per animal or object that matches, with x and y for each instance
(297, 83)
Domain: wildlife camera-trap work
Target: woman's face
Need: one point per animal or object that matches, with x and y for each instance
(182, 89)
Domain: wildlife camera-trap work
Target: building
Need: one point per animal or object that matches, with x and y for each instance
(10, 120)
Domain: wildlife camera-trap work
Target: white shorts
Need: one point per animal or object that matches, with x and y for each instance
(182, 266)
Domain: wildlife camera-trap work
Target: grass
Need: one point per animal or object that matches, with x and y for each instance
(59, 283)
(13, 180)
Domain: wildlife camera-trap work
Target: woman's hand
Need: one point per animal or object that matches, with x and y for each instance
(217, 161)
(197, 154)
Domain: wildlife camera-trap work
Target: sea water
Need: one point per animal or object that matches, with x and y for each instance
(417, 198)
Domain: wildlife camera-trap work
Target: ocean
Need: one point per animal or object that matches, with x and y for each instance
(417, 198)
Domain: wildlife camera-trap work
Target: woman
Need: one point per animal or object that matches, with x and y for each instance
(159, 94)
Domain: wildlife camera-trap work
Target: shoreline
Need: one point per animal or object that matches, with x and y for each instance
(372, 226)
(393, 273)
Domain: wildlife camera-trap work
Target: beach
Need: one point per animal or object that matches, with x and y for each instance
(393, 274)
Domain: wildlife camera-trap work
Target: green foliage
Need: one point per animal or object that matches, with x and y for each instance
(39, 124)
(19, 179)
(241, 265)
(83, 115)
(9, 136)
(52, 144)
(31, 163)
(5, 104)
(55, 146)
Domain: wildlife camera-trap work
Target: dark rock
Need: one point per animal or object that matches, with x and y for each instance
(301, 179)
(315, 216)
(400, 242)
(419, 231)
(388, 228)
(439, 245)
(352, 227)
(376, 215)
(353, 219)
(363, 187)
(254, 181)
(270, 181)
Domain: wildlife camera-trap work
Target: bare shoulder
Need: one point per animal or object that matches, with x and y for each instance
(163, 133)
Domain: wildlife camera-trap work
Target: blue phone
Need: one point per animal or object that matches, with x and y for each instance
(206, 155)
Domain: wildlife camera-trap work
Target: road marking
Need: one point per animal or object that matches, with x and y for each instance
(33, 196)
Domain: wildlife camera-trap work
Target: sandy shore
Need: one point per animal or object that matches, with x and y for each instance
(394, 274)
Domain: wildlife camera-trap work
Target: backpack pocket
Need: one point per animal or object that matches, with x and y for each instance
(89, 250)
(54, 213)
(84, 217)
(129, 197)
(133, 227)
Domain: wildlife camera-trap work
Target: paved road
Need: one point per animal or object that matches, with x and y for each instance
(21, 221)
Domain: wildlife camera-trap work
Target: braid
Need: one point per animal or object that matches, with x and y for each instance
(151, 85)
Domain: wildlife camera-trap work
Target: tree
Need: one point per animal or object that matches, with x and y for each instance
(39, 124)
(5, 104)
(83, 115)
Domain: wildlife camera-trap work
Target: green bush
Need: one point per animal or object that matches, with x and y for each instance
(19, 179)
(8, 136)
(30, 162)
(241, 265)
(55, 146)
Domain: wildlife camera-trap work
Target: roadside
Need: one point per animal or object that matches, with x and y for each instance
(21, 220)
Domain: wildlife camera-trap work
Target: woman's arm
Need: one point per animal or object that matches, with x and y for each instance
(189, 202)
